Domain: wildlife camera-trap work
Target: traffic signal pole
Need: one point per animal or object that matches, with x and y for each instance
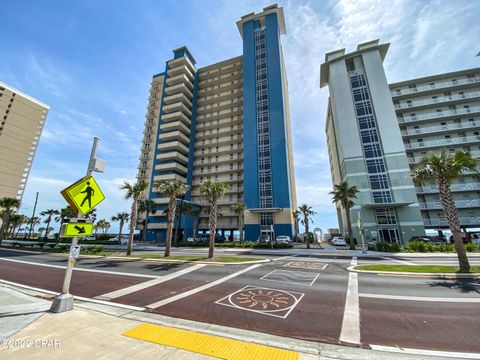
(64, 301)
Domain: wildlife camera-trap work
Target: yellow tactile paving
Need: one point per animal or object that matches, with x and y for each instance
(210, 345)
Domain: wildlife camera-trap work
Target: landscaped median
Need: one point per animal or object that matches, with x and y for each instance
(419, 270)
(196, 258)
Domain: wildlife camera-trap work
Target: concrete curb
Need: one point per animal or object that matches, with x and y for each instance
(415, 274)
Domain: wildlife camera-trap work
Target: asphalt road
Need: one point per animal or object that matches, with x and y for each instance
(311, 297)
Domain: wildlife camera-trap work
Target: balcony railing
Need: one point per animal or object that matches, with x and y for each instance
(458, 204)
(443, 142)
(433, 129)
(472, 220)
(439, 85)
(439, 114)
(438, 100)
(414, 160)
(453, 187)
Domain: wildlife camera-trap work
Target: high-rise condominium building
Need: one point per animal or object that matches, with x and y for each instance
(227, 122)
(376, 132)
(21, 123)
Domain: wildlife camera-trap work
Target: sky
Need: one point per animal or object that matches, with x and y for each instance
(92, 62)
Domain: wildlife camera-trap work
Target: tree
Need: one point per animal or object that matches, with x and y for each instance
(49, 213)
(8, 205)
(65, 213)
(40, 230)
(212, 192)
(133, 192)
(444, 168)
(195, 213)
(103, 225)
(296, 217)
(185, 209)
(122, 217)
(307, 213)
(148, 207)
(92, 215)
(238, 209)
(33, 221)
(344, 194)
(171, 189)
(16, 220)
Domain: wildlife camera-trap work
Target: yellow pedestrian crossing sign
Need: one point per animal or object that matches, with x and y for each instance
(78, 229)
(83, 195)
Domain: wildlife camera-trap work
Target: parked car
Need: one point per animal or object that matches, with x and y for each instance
(264, 239)
(338, 241)
(283, 239)
(220, 238)
(424, 239)
(202, 238)
(88, 238)
(464, 236)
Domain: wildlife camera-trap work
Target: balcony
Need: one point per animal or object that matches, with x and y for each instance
(438, 100)
(169, 177)
(436, 86)
(179, 97)
(443, 142)
(458, 203)
(176, 125)
(176, 116)
(444, 114)
(454, 187)
(414, 160)
(182, 61)
(171, 166)
(441, 128)
(183, 69)
(173, 155)
(472, 220)
(173, 145)
(178, 106)
(179, 89)
(180, 79)
(174, 135)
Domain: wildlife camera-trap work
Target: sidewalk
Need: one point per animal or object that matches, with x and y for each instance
(94, 331)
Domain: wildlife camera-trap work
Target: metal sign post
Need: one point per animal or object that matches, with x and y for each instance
(64, 301)
(362, 232)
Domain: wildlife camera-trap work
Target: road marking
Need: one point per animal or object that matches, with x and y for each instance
(446, 354)
(324, 267)
(147, 284)
(420, 298)
(351, 317)
(201, 288)
(81, 269)
(404, 262)
(291, 277)
(102, 302)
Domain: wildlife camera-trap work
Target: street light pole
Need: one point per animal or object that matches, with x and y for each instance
(64, 301)
(362, 232)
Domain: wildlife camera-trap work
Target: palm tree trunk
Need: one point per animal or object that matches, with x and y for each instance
(172, 204)
(144, 235)
(4, 226)
(349, 227)
(213, 228)
(306, 230)
(240, 227)
(48, 225)
(133, 221)
(195, 221)
(120, 231)
(453, 223)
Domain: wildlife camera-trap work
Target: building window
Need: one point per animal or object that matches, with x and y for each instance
(382, 197)
(372, 150)
(378, 182)
(375, 166)
(385, 216)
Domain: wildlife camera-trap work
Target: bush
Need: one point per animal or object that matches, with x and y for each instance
(103, 237)
(64, 248)
(52, 245)
(91, 250)
(384, 246)
(41, 245)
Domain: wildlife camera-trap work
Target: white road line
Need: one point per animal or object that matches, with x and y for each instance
(324, 267)
(351, 316)
(290, 277)
(420, 298)
(81, 298)
(147, 284)
(445, 354)
(201, 288)
(81, 269)
(404, 262)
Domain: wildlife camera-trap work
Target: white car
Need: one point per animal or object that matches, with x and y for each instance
(338, 241)
(283, 239)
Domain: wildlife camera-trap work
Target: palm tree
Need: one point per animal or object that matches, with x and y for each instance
(40, 230)
(195, 212)
(100, 225)
(65, 213)
(307, 213)
(344, 194)
(444, 168)
(16, 220)
(148, 207)
(49, 213)
(133, 192)
(238, 209)
(122, 217)
(212, 191)
(8, 205)
(296, 217)
(171, 189)
(185, 209)
(33, 221)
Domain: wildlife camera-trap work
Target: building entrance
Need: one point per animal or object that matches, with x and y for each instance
(389, 235)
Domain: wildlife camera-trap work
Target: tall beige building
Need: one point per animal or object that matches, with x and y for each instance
(21, 122)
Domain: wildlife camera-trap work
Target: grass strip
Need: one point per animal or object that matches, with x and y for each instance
(416, 268)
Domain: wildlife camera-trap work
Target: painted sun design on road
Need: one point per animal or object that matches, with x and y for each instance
(263, 299)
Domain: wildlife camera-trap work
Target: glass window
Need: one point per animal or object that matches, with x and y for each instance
(375, 166)
(385, 216)
(369, 136)
(366, 122)
(378, 182)
(381, 197)
(372, 150)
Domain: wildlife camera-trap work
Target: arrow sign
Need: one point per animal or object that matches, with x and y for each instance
(76, 229)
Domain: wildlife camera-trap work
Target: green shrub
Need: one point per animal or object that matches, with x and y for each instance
(91, 250)
(63, 248)
(41, 245)
(384, 246)
(52, 245)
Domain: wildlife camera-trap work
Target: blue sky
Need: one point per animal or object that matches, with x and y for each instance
(92, 62)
